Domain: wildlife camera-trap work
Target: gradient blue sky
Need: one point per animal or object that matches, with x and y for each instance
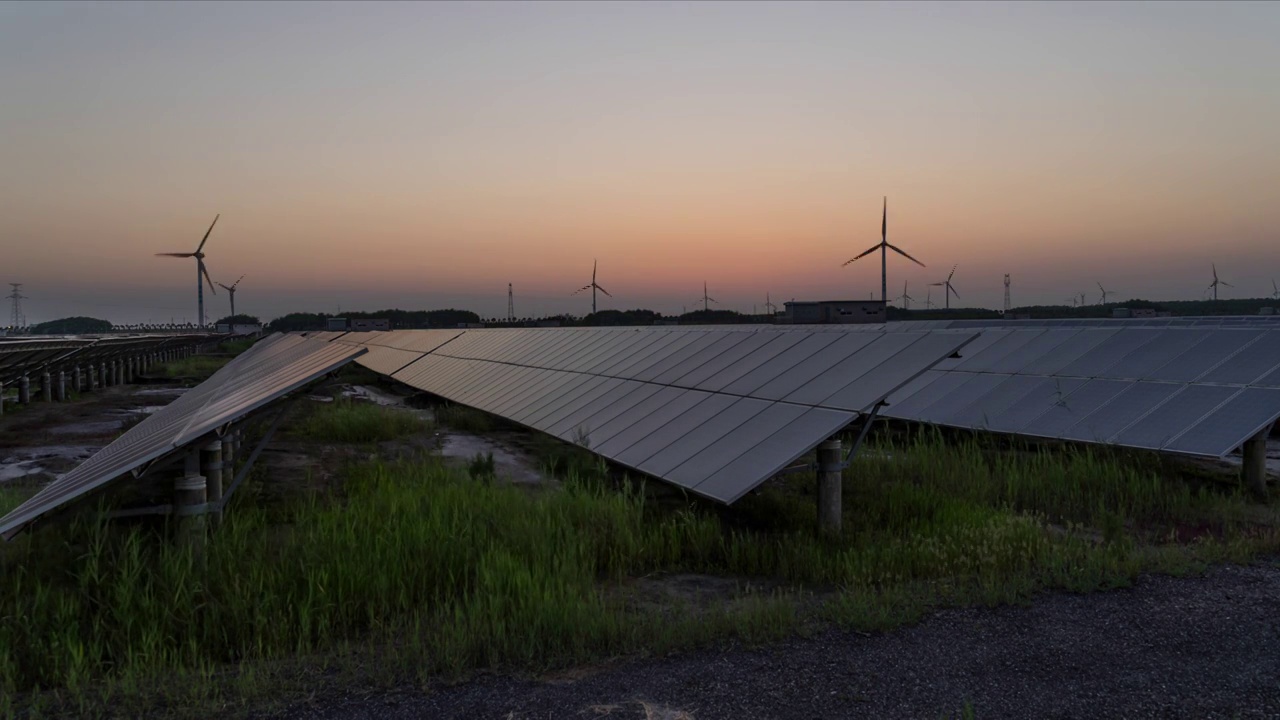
(426, 154)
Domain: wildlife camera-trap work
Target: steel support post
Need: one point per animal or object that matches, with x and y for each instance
(1254, 471)
(24, 390)
(830, 478)
(189, 492)
(211, 467)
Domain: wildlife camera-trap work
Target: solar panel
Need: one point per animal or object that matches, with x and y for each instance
(657, 399)
(267, 371)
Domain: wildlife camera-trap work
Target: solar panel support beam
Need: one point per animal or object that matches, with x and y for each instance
(188, 500)
(211, 468)
(862, 434)
(830, 476)
(1254, 470)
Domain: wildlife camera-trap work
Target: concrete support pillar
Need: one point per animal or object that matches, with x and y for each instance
(46, 386)
(1, 398)
(188, 492)
(1254, 472)
(77, 379)
(830, 481)
(117, 372)
(211, 468)
(60, 391)
(128, 369)
(24, 390)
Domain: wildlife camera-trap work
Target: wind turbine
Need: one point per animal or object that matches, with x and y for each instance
(947, 284)
(768, 304)
(904, 297)
(593, 287)
(232, 291)
(200, 268)
(1075, 300)
(883, 246)
(928, 298)
(1216, 282)
(707, 300)
(1105, 293)
(1275, 291)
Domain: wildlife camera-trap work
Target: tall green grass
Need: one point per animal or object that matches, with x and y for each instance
(434, 572)
(348, 421)
(196, 366)
(463, 418)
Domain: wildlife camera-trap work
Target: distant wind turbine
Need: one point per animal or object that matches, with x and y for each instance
(200, 268)
(947, 284)
(231, 290)
(884, 247)
(904, 297)
(1275, 291)
(593, 287)
(706, 299)
(1216, 282)
(1105, 293)
(768, 304)
(928, 298)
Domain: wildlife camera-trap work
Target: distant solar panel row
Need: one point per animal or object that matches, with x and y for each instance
(270, 369)
(1198, 391)
(28, 356)
(713, 410)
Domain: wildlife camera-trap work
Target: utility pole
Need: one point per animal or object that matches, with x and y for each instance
(1007, 303)
(17, 319)
(511, 305)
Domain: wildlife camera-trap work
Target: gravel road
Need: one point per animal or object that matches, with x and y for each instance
(1202, 647)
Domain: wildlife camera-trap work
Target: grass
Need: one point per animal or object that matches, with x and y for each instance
(417, 570)
(347, 421)
(196, 367)
(464, 419)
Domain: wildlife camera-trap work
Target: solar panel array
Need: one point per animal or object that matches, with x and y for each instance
(1224, 321)
(29, 356)
(714, 410)
(1198, 391)
(269, 370)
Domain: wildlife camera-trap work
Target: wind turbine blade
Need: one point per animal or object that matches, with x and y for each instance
(594, 264)
(953, 291)
(175, 254)
(205, 271)
(936, 284)
(606, 292)
(884, 224)
(224, 287)
(581, 289)
(237, 282)
(206, 232)
(865, 253)
(711, 299)
(1224, 283)
(904, 254)
(1104, 290)
(953, 272)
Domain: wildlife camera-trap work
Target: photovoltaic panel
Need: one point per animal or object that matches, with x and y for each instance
(1127, 406)
(267, 371)
(1182, 410)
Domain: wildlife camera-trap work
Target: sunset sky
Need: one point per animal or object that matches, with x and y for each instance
(423, 155)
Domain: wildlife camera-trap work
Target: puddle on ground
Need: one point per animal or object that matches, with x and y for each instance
(174, 391)
(102, 427)
(364, 392)
(51, 459)
(512, 466)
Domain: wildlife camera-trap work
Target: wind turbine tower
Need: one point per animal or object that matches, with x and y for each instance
(773, 309)
(1008, 304)
(883, 246)
(17, 319)
(200, 269)
(593, 287)
(706, 299)
(231, 290)
(511, 305)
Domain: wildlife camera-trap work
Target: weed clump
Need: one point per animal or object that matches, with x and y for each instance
(348, 421)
